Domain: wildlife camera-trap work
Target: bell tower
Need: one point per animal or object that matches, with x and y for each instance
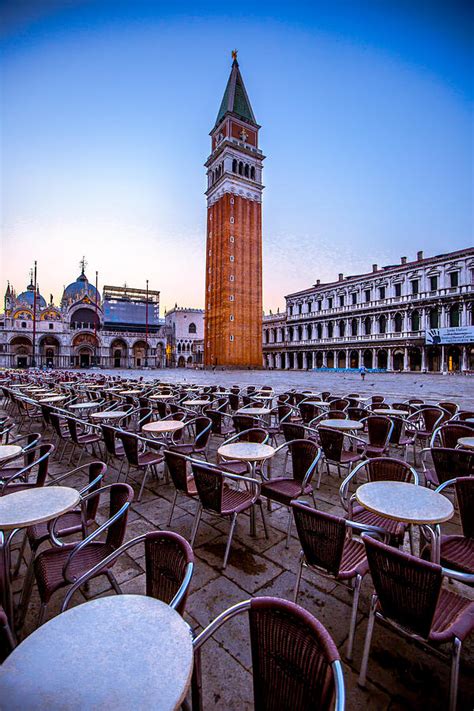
(233, 316)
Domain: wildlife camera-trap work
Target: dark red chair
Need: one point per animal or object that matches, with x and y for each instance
(457, 550)
(449, 433)
(304, 456)
(377, 469)
(219, 494)
(379, 429)
(179, 469)
(82, 436)
(138, 455)
(332, 444)
(409, 596)
(329, 549)
(447, 464)
(199, 430)
(7, 640)
(27, 477)
(295, 663)
(62, 565)
(169, 564)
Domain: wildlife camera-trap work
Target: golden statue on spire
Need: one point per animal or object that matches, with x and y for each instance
(234, 54)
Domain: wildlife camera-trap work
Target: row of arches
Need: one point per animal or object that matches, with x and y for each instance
(244, 169)
(397, 359)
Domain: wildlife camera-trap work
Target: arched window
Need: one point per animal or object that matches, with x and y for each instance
(241, 167)
(252, 173)
(192, 328)
(234, 166)
(300, 333)
(434, 318)
(342, 328)
(415, 321)
(397, 323)
(354, 327)
(368, 325)
(330, 329)
(246, 170)
(454, 316)
(319, 330)
(382, 324)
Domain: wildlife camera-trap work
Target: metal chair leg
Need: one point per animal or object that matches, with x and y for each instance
(368, 642)
(288, 532)
(197, 520)
(260, 506)
(42, 613)
(113, 582)
(355, 607)
(454, 680)
(298, 577)
(229, 540)
(145, 477)
(175, 498)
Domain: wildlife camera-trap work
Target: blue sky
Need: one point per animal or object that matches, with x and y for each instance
(366, 113)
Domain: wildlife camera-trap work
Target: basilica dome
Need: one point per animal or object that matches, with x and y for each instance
(78, 290)
(28, 297)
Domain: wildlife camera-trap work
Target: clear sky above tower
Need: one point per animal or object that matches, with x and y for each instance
(366, 113)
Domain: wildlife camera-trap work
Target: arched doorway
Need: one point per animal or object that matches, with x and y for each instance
(454, 359)
(414, 358)
(434, 359)
(21, 350)
(470, 358)
(330, 359)
(382, 360)
(319, 359)
(299, 361)
(341, 359)
(140, 354)
(85, 318)
(118, 353)
(398, 360)
(181, 362)
(368, 359)
(353, 359)
(291, 360)
(49, 351)
(85, 348)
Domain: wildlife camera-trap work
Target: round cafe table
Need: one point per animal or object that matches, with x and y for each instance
(250, 452)
(317, 403)
(389, 411)
(161, 397)
(109, 414)
(410, 504)
(9, 451)
(466, 442)
(130, 392)
(254, 411)
(53, 398)
(163, 426)
(119, 652)
(83, 405)
(344, 425)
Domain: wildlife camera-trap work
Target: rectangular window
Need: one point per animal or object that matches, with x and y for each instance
(231, 257)
(300, 308)
(341, 300)
(330, 303)
(51, 326)
(382, 292)
(232, 239)
(398, 288)
(433, 283)
(354, 298)
(414, 286)
(454, 279)
(367, 295)
(231, 277)
(231, 337)
(320, 305)
(232, 317)
(231, 297)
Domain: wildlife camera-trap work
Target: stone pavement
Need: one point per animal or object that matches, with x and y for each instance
(401, 674)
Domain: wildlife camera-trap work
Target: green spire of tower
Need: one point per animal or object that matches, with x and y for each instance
(235, 99)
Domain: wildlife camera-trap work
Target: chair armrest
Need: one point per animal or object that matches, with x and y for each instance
(373, 531)
(247, 479)
(467, 578)
(176, 601)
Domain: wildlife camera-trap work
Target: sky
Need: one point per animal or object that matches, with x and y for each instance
(366, 114)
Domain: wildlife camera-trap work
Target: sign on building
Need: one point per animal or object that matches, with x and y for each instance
(459, 334)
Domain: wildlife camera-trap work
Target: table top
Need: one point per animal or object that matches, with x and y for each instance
(53, 398)
(254, 411)
(246, 451)
(342, 424)
(94, 387)
(317, 403)
(160, 397)
(9, 451)
(196, 403)
(119, 652)
(466, 442)
(470, 420)
(163, 426)
(83, 405)
(389, 411)
(405, 502)
(130, 392)
(109, 415)
(36, 505)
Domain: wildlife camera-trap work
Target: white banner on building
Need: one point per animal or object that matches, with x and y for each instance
(460, 334)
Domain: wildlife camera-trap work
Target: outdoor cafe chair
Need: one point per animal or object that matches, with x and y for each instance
(199, 430)
(400, 438)
(333, 444)
(448, 434)
(447, 463)
(329, 549)
(30, 476)
(257, 435)
(379, 429)
(409, 597)
(63, 436)
(113, 446)
(304, 456)
(220, 494)
(64, 563)
(169, 564)
(179, 469)
(221, 424)
(457, 550)
(338, 403)
(295, 662)
(139, 456)
(422, 423)
(377, 469)
(450, 407)
(83, 436)
(29, 444)
(7, 640)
